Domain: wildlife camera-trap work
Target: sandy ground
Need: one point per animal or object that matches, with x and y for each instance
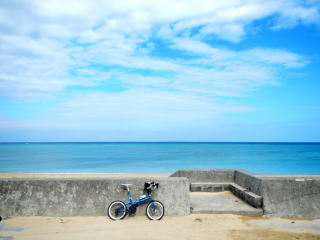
(82, 175)
(195, 226)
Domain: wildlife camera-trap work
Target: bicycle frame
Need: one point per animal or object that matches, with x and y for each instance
(130, 202)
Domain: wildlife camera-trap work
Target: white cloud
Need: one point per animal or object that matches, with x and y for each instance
(293, 14)
(195, 46)
(69, 18)
(48, 46)
(42, 43)
(277, 56)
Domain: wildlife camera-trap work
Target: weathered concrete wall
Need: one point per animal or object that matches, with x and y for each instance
(85, 197)
(291, 197)
(210, 175)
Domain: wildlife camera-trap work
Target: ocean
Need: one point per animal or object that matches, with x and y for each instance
(263, 158)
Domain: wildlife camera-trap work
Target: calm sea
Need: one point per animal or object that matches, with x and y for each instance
(275, 158)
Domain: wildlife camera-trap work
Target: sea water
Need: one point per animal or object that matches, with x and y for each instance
(264, 158)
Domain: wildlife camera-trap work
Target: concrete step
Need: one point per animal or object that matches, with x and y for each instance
(246, 195)
(221, 203)
(241, 192)
(210, 186)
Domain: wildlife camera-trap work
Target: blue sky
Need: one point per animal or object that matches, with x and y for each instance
(160, 70)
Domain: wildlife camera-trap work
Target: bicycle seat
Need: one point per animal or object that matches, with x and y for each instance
(126, 185)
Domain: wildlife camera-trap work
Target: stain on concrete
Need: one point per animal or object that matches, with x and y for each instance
(267, 234)
(6, 238)
(288, 225)
(5, 228)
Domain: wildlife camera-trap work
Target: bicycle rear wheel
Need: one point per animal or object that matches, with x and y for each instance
(155, 210)
(117, 210)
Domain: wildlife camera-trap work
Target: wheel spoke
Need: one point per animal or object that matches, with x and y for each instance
(117, 210)
(155, 210)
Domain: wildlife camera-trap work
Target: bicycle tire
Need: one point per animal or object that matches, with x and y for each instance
(158, 210)
(114, 206)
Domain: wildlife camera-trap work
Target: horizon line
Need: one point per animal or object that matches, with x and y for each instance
(41, 142)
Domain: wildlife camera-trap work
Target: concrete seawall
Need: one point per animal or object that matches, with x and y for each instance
(86, 197)
(278, 196)
(283, 196)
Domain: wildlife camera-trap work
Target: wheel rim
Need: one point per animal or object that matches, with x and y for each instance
(155, 210)
(117, 210)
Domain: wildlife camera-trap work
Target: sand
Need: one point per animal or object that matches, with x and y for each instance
(195, 226)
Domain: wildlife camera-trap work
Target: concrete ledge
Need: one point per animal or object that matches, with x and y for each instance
(256, 213)
(86, 197)
(209, 175)
(247, 196)
(209, 187)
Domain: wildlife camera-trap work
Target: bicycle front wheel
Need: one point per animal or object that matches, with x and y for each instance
(155, 210)
(117, 210)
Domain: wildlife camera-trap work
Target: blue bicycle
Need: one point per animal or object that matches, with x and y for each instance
(117, 210)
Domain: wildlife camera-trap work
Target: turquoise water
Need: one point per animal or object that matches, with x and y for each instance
(275, 158)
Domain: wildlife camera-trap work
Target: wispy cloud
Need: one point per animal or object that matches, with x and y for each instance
(42, 42)
(48, 46)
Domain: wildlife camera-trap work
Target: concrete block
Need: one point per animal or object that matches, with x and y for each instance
(291, 197)
(247, 196)
(86, 197)
(209, 187)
